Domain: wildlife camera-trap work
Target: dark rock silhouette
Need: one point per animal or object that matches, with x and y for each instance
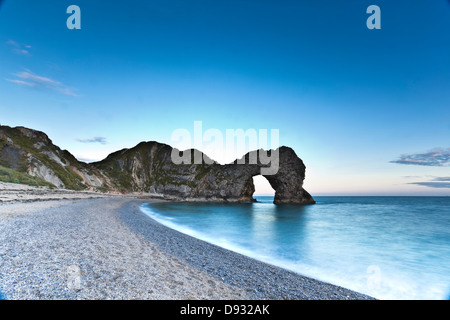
(149, 168)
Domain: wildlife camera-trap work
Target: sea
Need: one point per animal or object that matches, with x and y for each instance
(395, 248)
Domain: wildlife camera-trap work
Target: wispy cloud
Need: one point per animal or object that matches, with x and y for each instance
(438, 182)
(101, 140)
(86, 160)
(30, 79)
(438, 157)
(21, 82)
(447, 179)
(17, 48)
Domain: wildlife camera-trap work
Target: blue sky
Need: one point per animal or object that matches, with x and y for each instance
(368, 111)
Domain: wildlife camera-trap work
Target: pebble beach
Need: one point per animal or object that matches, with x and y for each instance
(89, 246)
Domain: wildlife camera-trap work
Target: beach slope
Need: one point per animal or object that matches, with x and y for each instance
(106, 248)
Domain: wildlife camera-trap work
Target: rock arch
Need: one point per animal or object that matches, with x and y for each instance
(234, 182)
(152, 170)
(288, 181)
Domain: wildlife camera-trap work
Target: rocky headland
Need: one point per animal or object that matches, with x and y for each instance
(29, 157)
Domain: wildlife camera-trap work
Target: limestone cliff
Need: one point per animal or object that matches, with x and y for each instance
(32, 153)
(148, 168)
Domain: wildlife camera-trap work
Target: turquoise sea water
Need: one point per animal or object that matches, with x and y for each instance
(387, 247)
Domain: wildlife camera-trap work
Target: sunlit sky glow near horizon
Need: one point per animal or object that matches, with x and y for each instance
(368, 111)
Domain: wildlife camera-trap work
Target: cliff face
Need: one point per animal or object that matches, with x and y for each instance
(148, 167)
(32, 153)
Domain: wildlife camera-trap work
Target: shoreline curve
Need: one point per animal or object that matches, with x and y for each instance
(107, 248)
(261, 280)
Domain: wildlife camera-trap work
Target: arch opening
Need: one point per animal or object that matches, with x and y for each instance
(262, 187)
